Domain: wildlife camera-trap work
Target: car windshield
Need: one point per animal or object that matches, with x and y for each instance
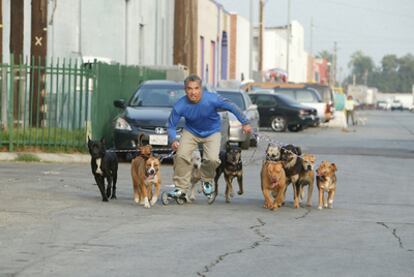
(153, 96)
(287, 92)
(287, 99)
(236, 98)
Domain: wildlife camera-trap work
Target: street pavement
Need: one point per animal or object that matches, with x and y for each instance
(53, 222)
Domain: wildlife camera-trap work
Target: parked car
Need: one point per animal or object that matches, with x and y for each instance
(242, 100)
(144, 117)
(308, 97)
(327, 96)
(281, 112)
(396, 105)
(382, 105)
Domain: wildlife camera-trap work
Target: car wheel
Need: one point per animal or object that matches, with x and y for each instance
(278, 124)
(295, 128)
(245, 144)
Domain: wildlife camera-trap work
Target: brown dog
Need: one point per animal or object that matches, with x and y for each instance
(146, 173)
(145, 151)
(326, 182)
(306, 178)
(273, 181)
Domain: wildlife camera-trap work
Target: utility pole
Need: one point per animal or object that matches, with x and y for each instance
(16, 28)
(38, 49)
(311, 37)
(1, 31)
(261, 27)
(288, 34)
(250, 41)
(334, 62)
(186, 34)
(311, 58)
(16, 48)
(3, 115)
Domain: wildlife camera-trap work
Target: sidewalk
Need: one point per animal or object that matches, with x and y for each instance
(49, 157)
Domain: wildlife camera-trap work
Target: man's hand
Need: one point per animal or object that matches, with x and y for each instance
(175, 145)
(247, 129)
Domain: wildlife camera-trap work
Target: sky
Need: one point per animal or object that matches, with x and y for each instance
(376, 27)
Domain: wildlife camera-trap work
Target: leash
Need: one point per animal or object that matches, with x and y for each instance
(258, 137)
(166, 156)
(161, 157)
(264, 138)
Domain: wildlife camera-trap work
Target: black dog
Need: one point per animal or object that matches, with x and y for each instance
(232, 167)
(104, 165)
(292, 164)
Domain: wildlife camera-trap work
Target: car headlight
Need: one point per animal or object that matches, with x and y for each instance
(122, 124)
(302, 113)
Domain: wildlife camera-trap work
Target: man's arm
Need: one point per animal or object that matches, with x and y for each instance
(226, 104)
(172, 126)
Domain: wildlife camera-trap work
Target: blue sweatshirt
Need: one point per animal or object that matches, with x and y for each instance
(202, 118)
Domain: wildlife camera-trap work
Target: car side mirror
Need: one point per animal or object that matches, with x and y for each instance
(120, 103)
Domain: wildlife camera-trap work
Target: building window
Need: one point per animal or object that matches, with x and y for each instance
(213, 63)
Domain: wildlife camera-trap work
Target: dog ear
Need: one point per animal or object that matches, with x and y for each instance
(228, 146)
(334, 166)
(298, 151)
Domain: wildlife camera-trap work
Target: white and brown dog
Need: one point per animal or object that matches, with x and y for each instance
(273, 152)
(146, 174)
(195, 174)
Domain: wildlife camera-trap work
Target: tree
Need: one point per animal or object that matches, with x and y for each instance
(361, 67)
(325, 55)
(393, 75)
(406, 73)
(389, 63)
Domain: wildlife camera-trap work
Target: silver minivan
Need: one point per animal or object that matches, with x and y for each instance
(243, 102)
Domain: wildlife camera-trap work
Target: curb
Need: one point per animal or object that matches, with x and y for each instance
(48, 157)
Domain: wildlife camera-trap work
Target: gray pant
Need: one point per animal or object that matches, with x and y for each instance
(182, 160)
(350, 113)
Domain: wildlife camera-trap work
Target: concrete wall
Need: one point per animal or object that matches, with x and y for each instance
(243, 48)
(275, 51)
(212, 21)
(128, 32)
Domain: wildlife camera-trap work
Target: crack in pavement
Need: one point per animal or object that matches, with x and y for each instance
(305, 214)
(255, 244)
(394, 233)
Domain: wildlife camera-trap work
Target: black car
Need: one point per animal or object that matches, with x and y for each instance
(145, 115)
(280, 112)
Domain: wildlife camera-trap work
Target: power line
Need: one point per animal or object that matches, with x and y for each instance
(354, 34)
(369, 9)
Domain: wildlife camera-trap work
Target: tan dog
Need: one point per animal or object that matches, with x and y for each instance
(145, 174)
(326, 182)
(145, 151)
(306, 178)
(273, 181)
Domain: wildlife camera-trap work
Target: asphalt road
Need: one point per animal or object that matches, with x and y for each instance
(53, 223)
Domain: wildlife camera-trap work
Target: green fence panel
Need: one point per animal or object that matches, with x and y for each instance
(115, 82)
(56, 104)
(44, 105)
